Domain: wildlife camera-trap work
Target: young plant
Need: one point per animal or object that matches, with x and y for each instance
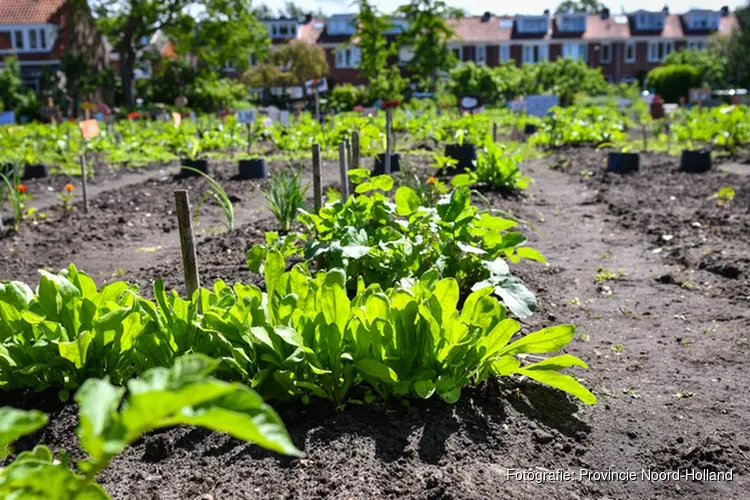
(12, 190)
(286, 196)
(66, 196)
(163, 397)
(216, 192)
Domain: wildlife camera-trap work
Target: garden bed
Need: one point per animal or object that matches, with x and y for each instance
(667, 363)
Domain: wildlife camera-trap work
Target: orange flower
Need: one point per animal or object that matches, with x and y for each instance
(431, 180)
(69, 187)
(22, 189)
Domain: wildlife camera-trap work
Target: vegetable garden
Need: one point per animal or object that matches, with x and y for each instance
(413, 334)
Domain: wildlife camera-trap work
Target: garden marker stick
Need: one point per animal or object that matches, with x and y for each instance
(344, 173)
(317, 103)
(494, 132)
(645, 138)
(187, 241)
(355, 149)
(249, 136)
(317, 191)
(349, 153)
(388, 117)
(83, 182)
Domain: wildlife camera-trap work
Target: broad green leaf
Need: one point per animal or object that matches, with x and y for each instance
(451, 207)
(557, 363)
(75, 351)
(424, 388)
(16, 423)
(516, 297)
(531, 254)
(447, 293)
(546, 340)
(506, 365)
(407, 201)
(334, 301)
(98, 423)
(355, 251)
(378, 370)
(560, 381)
(33, 477)
(255, 257)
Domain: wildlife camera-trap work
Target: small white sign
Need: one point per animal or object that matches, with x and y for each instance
(284, 117)
(246, 116)
(539, 105)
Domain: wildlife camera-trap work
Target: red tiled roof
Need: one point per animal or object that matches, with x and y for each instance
(598, 28)
(28, 11)
(672, 27)
(473, 29)
(727, 24)
(308, 32)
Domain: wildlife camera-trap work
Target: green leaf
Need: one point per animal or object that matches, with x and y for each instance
(378, 370)
(17, 423)
(383, 182)
(560, 381)
(516, 297)
(463, 180)
(531, 254)
(98, 422)
(76, 351)
(407, 201)
(355, 251)
(451, 207)
(334, 301)
(546, 340)
(424, 388)
(557, 363)
(255, 257)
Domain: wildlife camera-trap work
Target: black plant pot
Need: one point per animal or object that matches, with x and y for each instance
(529, 129)
(695, 161)
(464, 154)
(254, 168)
(623, 163)
(379, 166)
(200, 165)
(37, 171)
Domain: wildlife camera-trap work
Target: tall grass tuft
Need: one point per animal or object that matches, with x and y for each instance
(286, 195)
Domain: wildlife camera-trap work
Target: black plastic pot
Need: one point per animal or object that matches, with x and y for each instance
(529, 129)
(379, 166)
(254, 168)
(37, 171)
(696, 161)
(623, 163)
(464, 154)
(200, 165)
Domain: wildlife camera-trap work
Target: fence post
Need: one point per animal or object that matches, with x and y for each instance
(317, 191)
(344, 172)
(355, 149)
(388, 145)
(187, 242)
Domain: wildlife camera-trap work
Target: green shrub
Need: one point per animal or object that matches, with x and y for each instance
(674, 81)
(347, 96)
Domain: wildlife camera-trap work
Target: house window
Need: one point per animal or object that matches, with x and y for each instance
(481, 55)
(573, 23)
(283, 29)
(340, 27)
(504, 53)
(696, 45)
(252, 60)
(534, 25)
(274, 30)
(19, 39)
(534, 53)
(630, 52)
(606, 52)
(405, 54)
(32, 39)
(577, 51)
(42, 39)
(348, 57)
(651, 21)
(657, 51)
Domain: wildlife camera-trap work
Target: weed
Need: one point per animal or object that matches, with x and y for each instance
(286, 195)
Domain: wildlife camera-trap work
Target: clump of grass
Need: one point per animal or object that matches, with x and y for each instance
(604, 274)
(286, 195)
(216, 192)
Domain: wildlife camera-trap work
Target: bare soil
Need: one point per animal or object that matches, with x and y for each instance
(665, 334)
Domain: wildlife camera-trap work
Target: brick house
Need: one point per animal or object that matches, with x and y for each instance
(39, 32)
(624, 46)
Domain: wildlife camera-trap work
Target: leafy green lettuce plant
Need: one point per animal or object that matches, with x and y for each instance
(162, 397)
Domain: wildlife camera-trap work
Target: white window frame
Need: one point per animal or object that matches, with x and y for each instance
(46, 33)
(632, 45)
(503, 53)
(659, 50)
(528, 53)
(348, 58)
(480, 60)
(340, 26)
(697, 44)
(457, 51)
(608, 59)
(577, 51)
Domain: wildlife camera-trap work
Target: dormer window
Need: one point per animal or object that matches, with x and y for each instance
(282, 29)
(703, 20)
(398, 26)
(340, 26)
(650, 20)
(533, 24)
(572, 23)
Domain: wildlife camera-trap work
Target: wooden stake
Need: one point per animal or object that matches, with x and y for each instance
(317, 188)
(388, 144)
(249, 136)
(83, 183)
(645, 138)
(349, 154)
(187, 242)
(344, 172)
(669, 136)
(317, 105)
(355, 149)
(494, 132)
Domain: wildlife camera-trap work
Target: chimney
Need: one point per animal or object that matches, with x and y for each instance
(546, 12)
(665, 10)
(308, 17)
(724, 11)
(486, 17)
(605, 13)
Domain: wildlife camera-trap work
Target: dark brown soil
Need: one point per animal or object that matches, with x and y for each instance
(667, 362)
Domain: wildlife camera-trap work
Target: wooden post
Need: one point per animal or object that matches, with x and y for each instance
(349, 153)
(344, 172)
(231, 151)
(317, 104)
(645, 138)
(187, 241)
(355, 149)
(317, 188)
(83, 182)
(494, 132)
(388, 144)
(669, 135)
(249, 136)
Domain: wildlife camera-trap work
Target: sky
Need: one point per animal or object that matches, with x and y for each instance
(478, 7)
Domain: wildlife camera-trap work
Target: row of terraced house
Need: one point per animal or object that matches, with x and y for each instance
(624, 46)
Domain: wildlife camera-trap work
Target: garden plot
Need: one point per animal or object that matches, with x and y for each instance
(666, 364)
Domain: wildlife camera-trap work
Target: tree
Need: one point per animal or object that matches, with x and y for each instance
(711, 64)
(428, 35)
(674, 81)
(738, 49)
(292, 10)
(571, 6)
(302, 61)
(224, 31)
(14, 95)
(373, 46)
